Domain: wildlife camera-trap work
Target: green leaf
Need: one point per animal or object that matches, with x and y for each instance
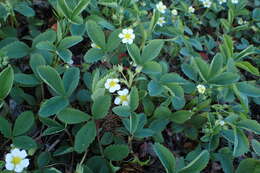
(16, 49)
(80, 7)
(53, 106)
(256, 14)
(85, 136)
(71, 80)
(152, 50)
(123, 111)
(5, 128)
(52, 78)
(24, 142)
(65, 54)
(6, 81)
(111, 152)
(101, 106)
(46, 45)
(152, 68)
(134, 99)
(69, 41)
(43, 159)
(251, 125)
(24, 9)
(26, 79)
(215, 66)
(248, 67)
(66, 11)
(93, 55)
(248, 89)
(246, 52)
(226, 159)
(154, 88)
(134, 53)
(225, 78)
(256, 146)
(181, 116)
(198, 164)
(23, 123)
(72, 116)
(241, 144)
(203, 68)
(96, 34)
(113, 40)
(166, 157)
(249, 164)
(227, 47)
(36, 60)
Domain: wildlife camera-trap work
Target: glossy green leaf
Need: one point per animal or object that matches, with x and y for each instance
(23, 123)
(152, 50)
(249, 164)
(198, 164)
(24, 142)
(5, 128)
(181, 116)
(251, 125)
(111, 152)
(85, 136)
(72, 116)
(256, 146)
(52, 78)
(53, 106)
(6, 81)
(134, 53)
(166, 157)
(71, 80)
(96, 34)
(69, 41)
(101, 106)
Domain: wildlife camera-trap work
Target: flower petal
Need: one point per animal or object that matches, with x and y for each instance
(25, 163)
(117, 101)
(9, 166)
(8, 157)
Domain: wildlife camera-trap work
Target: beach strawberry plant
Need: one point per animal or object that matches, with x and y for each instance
(106, 86)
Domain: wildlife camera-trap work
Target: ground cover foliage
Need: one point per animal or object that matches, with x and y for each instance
(105, 86)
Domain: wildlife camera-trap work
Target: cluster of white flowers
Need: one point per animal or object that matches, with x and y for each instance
(16, 160)
(240, 21)
(123, 95)
(201, 88)
(207, 3)
(191, 9)
(222, 1)
(174, 12)
(161, 21)
(127, 36)
(220, 123)
(234, 1)
(161, 7)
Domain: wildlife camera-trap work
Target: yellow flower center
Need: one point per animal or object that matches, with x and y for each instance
(112, 84)
(128, 36)
(16, 160)
(123, 98)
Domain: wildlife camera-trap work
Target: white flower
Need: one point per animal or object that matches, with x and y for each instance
(207, 3)
(161, 21)
(234, 1)
(222, 1)
(220, 122)
(93, 45)
(201, 89)
(174, 12)
(123, 97)
(161, 7)
(240, 21)
(127, 36)
(16, 160)
(112, 85)
(191, 9)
